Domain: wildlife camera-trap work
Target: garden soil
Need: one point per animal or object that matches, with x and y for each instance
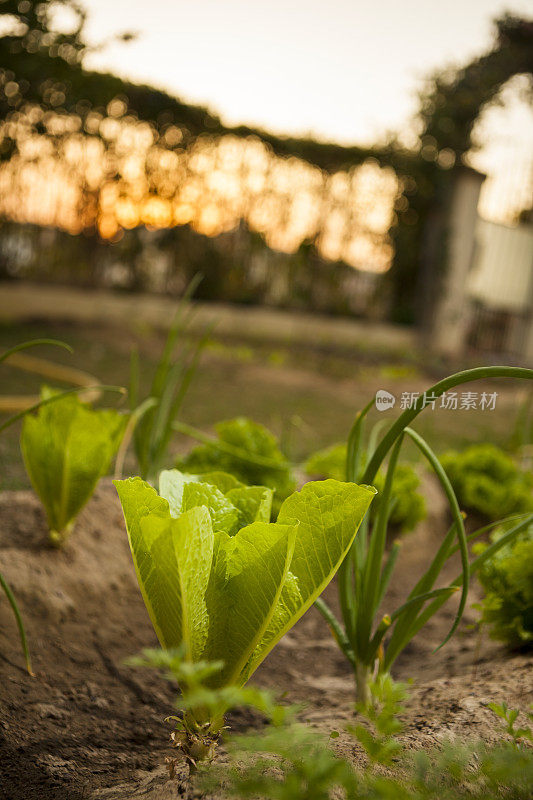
(87, 726)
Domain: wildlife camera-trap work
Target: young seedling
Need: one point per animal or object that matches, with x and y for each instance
(509, 716)
(194, 693)
(221, 581)
(291, 760)
(67, 447)
(372, 642)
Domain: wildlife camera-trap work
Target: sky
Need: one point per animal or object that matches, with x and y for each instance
(340, 70)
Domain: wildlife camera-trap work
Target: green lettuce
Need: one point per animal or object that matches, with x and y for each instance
(218, 579)
(488, 481)
(408, 506)
(248, 451)
(507, 578)
(67, 447)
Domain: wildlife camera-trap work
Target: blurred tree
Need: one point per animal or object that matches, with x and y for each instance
(43, 79)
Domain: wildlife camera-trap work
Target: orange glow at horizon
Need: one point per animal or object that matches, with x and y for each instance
(126, 177)
(131, 180)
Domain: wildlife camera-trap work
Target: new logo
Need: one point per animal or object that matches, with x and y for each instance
(384, 400)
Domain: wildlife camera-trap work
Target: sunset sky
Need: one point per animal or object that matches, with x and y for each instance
(344, 70)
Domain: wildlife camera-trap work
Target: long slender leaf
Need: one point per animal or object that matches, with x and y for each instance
(486, 528)
(379, 534)
(458, 520)
(36, 406)
(34, 343)
(135, 415)
(457, 379)
(177, 327)
(22, 632)
(133, 393)
(372, 569)
(423, 585)
(416, 602)
(170, 383)
(354, 448)
(387, 572)
(336, 629)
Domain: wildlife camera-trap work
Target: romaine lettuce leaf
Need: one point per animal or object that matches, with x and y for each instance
(226, 594)
(67, 447)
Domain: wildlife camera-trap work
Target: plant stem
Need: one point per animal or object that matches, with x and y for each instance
(362, 680)
(58, 538)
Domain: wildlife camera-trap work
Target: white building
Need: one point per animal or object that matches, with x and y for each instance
(500, 286)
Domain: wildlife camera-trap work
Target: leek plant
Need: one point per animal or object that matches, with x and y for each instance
(371, 641)
(175, 370)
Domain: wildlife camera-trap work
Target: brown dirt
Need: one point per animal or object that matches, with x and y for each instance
(89, 727)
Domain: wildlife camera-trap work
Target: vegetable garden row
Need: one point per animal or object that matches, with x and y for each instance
(229, 554)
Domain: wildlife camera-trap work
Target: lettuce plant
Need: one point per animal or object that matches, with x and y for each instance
(6, 424)
(507, 579)
(487, 480)
(370, 639)
(245, 449)
(222, 582)
(67, 447)
(408, 505)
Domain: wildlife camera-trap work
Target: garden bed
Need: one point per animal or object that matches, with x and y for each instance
(87, 726)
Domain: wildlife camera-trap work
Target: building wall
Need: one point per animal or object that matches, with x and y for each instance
(502, 273)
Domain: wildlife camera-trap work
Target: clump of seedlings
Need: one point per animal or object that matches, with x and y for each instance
(290, 760)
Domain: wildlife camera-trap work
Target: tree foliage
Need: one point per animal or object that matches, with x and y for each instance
(43, 77)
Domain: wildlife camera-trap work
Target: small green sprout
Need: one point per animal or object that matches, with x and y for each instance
(194, 741)
(294, 761)
(509, 716)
